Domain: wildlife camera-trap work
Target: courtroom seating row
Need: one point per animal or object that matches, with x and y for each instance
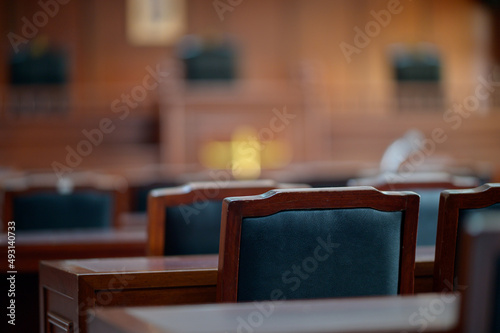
(169, 197)
(200, 193)
(46, 229)
(159, 223)
(475, 308)
(476, 195)
(98, 200)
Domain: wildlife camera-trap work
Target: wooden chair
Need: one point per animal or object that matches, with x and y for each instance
(480, 273)
(186, 219)
(429, 186)
(81, 200)
(456, 206)
(309, 243)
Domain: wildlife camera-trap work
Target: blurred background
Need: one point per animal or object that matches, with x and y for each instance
(161, 92)
(291, 89)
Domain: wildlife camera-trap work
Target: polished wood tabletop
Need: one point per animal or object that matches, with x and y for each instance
(426, 312)
(33, 246)
(71, 288)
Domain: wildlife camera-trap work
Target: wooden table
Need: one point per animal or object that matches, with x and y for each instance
(375, 314)
(145, 281)
(69, 288)
(32, 247)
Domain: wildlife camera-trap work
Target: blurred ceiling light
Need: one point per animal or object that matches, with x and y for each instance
(155, 22)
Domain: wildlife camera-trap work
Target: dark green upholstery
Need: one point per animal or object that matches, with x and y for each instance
(495, 325)
(320, 253)
(215, 64)
(427, 216)
(193, 228)
(47, 210)
(467, 216)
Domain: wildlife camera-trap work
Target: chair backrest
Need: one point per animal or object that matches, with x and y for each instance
(479, 274)
(310, 243)
(82, 200)
(429, 186)
(456, 206)
(186, 219)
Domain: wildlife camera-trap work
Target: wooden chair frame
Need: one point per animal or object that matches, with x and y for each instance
(450, 204)
(479, 250)
(196, 192)
(235, 209)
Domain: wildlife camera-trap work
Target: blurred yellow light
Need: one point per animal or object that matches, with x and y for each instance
(276, 154)
(215, 155)
(245, 155)
(245, 151)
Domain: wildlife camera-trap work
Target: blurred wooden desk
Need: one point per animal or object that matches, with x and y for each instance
(72, 286)
(424, 269)
(33, 246)
(69, 288)
(375, 314)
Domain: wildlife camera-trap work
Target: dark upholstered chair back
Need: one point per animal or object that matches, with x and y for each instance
(429, 187)
(186, 219)
(312, 243)
(46, 210)
(43, 202)
(456, 207)
(193, 228)
(479, 273)
(427, 216)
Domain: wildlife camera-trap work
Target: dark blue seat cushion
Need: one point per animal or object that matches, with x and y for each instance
(428, 216)
(495, 325)
(467, 216)
(46, 210)
(193, 228)
(320, 253)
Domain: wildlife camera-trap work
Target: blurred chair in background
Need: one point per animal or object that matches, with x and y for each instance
(429, 186)
(457, 207)
(479, 273)
(80, 200)
(186, 219)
